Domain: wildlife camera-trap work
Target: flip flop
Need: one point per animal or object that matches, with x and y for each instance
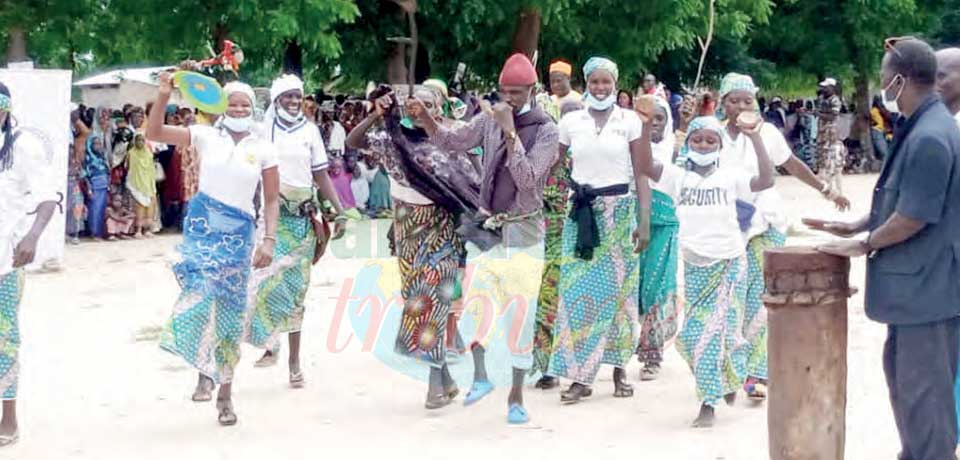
(266, 361)
(9, 439)
(297, 380)
(650, 372)
(204, 392)
(437, 402)
(623, 390)
(226, 416)
(477, 391)
(517, 415)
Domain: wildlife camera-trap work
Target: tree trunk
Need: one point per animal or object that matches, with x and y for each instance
(397, 65)
(220, 32)
(293, 58)
(526, 37)
(16, 44)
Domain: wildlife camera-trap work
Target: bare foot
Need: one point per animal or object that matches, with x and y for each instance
(705, 418)
(267, 360)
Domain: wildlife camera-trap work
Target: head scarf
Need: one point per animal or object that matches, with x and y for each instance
(95, 163)
(601, 63)
(235, 87)
(452, 107)
(562, 67)
(663, 150)
(707, 123)
(735, 82)
(518, 71)
(283, 84)
(6, 104)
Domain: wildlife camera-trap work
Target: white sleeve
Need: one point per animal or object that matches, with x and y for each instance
(199, 135)
(742, 184)
(30, 158)
(564, 129)
(777, 148)
(269, 157)
(671, 180)
(634, 126)
(318, 154)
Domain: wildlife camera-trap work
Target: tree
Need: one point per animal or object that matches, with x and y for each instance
(842, 39)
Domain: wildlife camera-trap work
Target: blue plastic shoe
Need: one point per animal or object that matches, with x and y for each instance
(517, 415)
(478, 390)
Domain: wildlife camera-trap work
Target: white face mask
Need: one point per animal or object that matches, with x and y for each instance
(598, 104)
(892, 105)
(238, 125)
(285, 115)
(703, 159)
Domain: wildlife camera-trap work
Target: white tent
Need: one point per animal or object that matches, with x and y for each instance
(122, 86)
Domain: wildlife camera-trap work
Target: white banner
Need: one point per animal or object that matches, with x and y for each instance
(41, 105)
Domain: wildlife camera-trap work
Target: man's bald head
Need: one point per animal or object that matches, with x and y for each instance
(948, 77)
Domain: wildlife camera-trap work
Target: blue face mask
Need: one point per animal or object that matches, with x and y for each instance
(597, 104)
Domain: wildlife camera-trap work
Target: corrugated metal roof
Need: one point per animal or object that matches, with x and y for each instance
(114, 77)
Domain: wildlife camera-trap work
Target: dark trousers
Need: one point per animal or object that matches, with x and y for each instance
(920, 362)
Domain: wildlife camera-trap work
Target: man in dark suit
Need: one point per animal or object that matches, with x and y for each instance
(913, 269)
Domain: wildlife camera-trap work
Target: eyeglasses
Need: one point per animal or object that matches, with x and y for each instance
(890, 44)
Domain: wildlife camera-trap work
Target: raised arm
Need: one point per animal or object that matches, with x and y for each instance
(458, 139)
(798, 169)
(157, 130)
(357, 139)
(641, 157)
(764, 179)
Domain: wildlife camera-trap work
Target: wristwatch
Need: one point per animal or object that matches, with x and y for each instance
(870, 250)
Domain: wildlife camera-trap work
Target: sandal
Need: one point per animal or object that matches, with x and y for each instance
(622, 390)
(650, 372)
(575, 393)
(266, 360)
(437, 401)
(478, 390)
(547, 383)
(226, 417)
(756, 389)
(204, 391)
(517, 415)
(9, 439)
(297, 380)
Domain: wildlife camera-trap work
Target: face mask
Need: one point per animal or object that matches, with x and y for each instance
(237, 125)
(600, 105)
(703, 159)
(892, 105)
(285, 116)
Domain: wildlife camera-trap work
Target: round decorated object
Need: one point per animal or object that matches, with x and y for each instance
(201, 91)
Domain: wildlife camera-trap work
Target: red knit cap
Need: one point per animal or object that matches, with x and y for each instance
(518, 71)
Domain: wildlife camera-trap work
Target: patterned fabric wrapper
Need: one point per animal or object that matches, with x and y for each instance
(658, 280)
(430, 253)
(596, 317)
(711, 340)
(555, 196)
(277, 292)
(11, 292)
(755, 318)
(207, 324)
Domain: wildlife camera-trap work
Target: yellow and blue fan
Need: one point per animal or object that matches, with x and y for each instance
(201, 91)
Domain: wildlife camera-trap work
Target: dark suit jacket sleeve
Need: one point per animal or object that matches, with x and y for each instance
(926, 178)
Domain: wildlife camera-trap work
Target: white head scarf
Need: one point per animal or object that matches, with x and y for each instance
(663, 150)
(287, 82)
(235, 87)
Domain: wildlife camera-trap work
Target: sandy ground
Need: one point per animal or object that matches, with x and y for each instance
(96, 386)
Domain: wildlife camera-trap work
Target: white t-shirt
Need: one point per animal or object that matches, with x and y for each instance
(600, 160)
(300, 152)
(338, 138)
(231, 172)
(707, 210)
(957, 117)
(740, 155)
(22, 188)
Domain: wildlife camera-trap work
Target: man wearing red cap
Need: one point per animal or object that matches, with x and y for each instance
(520, 145)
